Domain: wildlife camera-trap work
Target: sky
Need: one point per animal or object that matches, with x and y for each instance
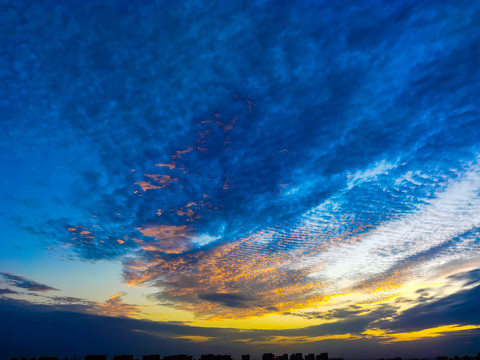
(240, 177)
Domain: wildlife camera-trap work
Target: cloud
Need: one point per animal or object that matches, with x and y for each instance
(7, 292)
(289, 340)
(457, 308)
(230, 300)
(298, 153)
(302, 263)
(471, 277)
(170, 239)
(421, 334)
(30, 328)
(21, 282)
(114, 306)
(30, 332)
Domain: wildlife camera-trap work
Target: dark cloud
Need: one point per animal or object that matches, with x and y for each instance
(230, 300)
(113, 306)
(459, 308)
(28, 330)
(7, 292)
(348, 321)
(30, 333)
(21, 282)
(471, 277)
(343, 314)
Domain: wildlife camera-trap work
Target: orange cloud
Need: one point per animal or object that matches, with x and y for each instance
(169, 239)
(204, 282)
(114, 306)
(179, 153)
(188, 211)
(148, 186)
(225, 184)
(171, 165)
(164, 180)
(115, 296)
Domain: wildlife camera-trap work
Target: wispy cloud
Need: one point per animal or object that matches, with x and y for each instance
(21, 282)
(7, 292)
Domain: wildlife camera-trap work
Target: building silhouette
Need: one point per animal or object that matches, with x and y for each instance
(150, 357)
(265, 356)
(123, 357)
(178, 357)
(215, 357)
(96, 357)
(268, 356)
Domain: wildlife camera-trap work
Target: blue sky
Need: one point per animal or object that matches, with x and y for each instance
(231, 175)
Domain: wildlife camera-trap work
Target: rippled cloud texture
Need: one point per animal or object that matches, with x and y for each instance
(311, 166)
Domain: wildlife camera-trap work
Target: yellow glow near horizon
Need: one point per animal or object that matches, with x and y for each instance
(195, 338)
(269, 322)
(362, 301)
(277, 321)
(418, 335)
(288, 340)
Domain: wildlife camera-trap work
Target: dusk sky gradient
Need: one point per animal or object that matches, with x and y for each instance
(240, 177)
